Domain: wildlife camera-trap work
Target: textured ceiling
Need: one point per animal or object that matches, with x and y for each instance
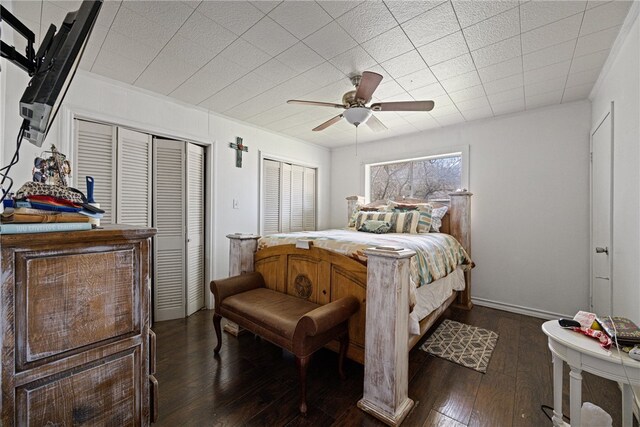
(475, 59)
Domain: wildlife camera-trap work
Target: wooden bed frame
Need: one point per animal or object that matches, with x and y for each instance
(322, 276)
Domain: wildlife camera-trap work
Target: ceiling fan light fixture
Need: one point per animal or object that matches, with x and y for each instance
(357, 115)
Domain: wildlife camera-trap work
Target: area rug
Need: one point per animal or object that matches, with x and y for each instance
(465, 345)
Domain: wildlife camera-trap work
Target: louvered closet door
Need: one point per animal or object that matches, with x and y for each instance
(169, 219)
(285, 198)
(134, 178)
(297, 197)
(195, 228)
(271, 196)
(309, 203)
(95, 156)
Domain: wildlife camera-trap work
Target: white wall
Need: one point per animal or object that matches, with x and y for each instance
(114, 102)
(620, 83)
(529, 173)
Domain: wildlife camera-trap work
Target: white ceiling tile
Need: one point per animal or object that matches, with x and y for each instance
(472, 12)
(364, 23)
(501, 70)
(353, 61)
(544, 99)
(28, 10)
(502, 85)
(404, 64)
(417, 79)
(576, 93)
(595, 3)
(441, 102)
(507, 96)
(274, 114)
(551, 85)
(330, 41)
(130, 48)
(378, 69)
(498, 52)
(211, 78)
(274, 72)
(450, 119)
(168, 14)
(551, 34)
(98, 34)
(538, 13)
(165, 74)
(544, 74)
(388, 89)
(477, 114)
(453, 67)
(237, 92)
(139, 28)
(405, 10)
(329, 93)
(473, 104)
(235, 16)
(493, 30)
(461, 82)
(444, 49)
(583, 77)
(107, 12)
(467, 94)
(52, 12)
(338, 8)
(388, 45)
(595, 42)
(191, 3)
(550, 55)
(441, 110)
(325, 74)
(589, 62)
(185, 50)
(112, 65)
(300, 18)
(508, 107)
(269, 37)
(244, 54)
(206, 33)
(602, 17)
(432, 25)
(266, 5)
(300, 58)
(428, 92)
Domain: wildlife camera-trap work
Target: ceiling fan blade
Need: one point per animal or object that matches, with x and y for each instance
(328, 123)
(375, 124)
(314, 103)
(403, 106)
(368, 84)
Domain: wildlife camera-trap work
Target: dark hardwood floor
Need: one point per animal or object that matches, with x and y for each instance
(254, 383)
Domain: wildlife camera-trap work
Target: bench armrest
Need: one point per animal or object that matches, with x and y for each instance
(327, 316)
(224, 288)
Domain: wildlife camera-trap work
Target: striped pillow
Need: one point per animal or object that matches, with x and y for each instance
(401, 222)
(424, 223)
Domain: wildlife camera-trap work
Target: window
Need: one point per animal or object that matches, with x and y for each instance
(431, 178)
(288, 197)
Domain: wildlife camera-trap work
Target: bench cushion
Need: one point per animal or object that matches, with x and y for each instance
(274, 311)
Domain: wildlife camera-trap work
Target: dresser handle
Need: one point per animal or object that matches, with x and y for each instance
(152, 352)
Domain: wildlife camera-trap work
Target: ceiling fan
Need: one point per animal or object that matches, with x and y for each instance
(354, 104)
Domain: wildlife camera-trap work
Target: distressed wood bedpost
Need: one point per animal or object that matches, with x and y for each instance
(460, 228)
(386, 357)
(352, 201)
(242, 250)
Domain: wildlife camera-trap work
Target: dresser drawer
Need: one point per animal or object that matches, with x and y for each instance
(103, 393)
(67, 301)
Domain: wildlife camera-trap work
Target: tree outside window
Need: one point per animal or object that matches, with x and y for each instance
(428, 178)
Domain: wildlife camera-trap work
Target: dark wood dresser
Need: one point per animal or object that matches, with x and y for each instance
(76, 343)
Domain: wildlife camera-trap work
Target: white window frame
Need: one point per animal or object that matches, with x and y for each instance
(463, 150)
(278, 158)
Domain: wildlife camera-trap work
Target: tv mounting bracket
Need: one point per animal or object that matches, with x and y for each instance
(30, 62)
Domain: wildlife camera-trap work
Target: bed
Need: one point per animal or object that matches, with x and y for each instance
(379, 331)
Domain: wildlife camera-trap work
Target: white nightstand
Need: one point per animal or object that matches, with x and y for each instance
(585, 354)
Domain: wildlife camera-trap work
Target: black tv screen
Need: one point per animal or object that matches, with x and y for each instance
(56, 61)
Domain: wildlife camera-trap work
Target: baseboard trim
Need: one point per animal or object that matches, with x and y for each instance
(534, 312)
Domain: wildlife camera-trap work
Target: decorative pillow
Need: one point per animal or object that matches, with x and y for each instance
(401, 222)
(436, 218)
(425, 220)
(375, 226)
(371, 207)
(402, 206)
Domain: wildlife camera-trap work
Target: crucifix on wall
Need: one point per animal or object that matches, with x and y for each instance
(239, 147)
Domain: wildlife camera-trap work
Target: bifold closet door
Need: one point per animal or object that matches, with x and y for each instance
(271, 183)
(309, 202)
(297, 198)
(96, 157)
(134, 183)
(195, 212)
(169, 219)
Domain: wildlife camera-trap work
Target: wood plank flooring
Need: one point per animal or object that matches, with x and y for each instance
(254, 383)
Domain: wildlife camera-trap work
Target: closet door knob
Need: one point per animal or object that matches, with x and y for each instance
(600, 250)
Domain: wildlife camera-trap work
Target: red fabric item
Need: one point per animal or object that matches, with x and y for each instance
(56, 201)
(605, 341)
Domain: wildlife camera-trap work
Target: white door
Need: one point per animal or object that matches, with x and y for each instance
(134, 189)
(195, 228)
(601, 184)
(169, 218)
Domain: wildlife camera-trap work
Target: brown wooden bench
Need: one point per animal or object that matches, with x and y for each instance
(295, 324)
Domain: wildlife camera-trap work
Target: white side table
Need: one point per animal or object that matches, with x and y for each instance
(585, 354)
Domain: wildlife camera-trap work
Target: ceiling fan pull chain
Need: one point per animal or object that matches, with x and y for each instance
(356, 141)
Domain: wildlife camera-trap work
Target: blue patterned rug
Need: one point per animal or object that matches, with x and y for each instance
(465, 345)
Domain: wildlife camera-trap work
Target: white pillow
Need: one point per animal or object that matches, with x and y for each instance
(436, 218)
